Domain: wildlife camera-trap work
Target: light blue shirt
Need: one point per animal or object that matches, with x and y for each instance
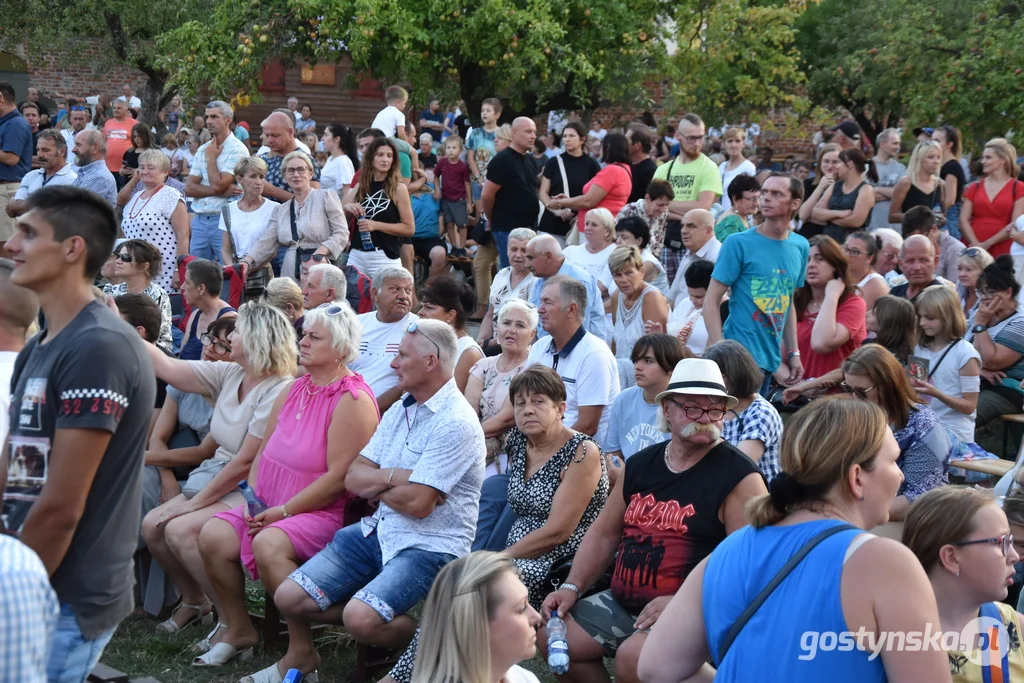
(594, 321)
(763, 274)
(98, 178)
(36, 179)
(632, 425)
(28, 612)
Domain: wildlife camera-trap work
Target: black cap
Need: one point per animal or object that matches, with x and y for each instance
(918, 131)
(850, 129)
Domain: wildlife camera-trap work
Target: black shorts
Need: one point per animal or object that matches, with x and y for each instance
(422, 247)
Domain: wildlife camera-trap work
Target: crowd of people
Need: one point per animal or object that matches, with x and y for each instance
(596, 373)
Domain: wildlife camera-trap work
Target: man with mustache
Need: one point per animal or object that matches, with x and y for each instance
(675, 502)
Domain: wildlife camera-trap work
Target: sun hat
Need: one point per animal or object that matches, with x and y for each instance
(697, 377)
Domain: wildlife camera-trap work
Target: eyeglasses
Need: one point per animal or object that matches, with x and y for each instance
(856, 391)
(852, 251)
(297, 170)
(1005, 541)
(124, 257)
(208, 339)
(696, 412)
(692, 138)
(305, 258)
(334, 309)
(415, 327)
(751, 196)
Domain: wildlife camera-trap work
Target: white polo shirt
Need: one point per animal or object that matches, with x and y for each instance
(590, 373)
(34, 180)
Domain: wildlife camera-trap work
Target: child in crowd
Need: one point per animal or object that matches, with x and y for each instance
(454, 191)
(391, 119)
(170, 145)
(480, 145)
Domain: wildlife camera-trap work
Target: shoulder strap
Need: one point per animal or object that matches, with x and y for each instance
(295, 230)
(941, 358)
(226, 213)
(738, 625)
(565, 179)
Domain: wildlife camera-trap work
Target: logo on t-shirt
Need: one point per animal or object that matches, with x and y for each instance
(32, 401)
(772, 295)
(28, 462)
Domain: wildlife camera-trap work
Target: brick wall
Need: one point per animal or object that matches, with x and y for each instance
(78, 68)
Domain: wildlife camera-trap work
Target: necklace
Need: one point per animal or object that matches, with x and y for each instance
(668, 460)
(309, 394)
(629, 314)
(135, 214)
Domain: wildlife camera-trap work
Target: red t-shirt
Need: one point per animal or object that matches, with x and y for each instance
(453, 179)
(617, 181)
(119, 141)
(850, 314)
(989, 217)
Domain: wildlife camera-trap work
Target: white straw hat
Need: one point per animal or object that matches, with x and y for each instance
(698, 377)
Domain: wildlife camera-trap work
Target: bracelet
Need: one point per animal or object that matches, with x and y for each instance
(792, 354)
(572, 587)
(390, 477)
(284, 512)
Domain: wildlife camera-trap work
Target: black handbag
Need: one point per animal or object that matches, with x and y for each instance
(256, 280)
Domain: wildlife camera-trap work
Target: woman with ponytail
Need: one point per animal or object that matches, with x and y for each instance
(806, 539)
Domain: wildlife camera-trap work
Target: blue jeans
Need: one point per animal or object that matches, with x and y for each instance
(501, 244)
(953, 221)
(72, 656)
(207, 237)
(351, 566)
(496, 516)
(766, 383)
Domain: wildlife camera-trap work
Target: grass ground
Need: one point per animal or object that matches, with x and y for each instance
(138, 651)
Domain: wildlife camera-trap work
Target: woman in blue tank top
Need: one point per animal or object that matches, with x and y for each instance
(823, 618)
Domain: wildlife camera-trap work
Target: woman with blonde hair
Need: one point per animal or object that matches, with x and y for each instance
(735, 163)
(964, 542)
(814, 188)
(284, 294)
(921, 186)
(635, 304)
(599, 228)
(246, 220)
(477, 624)
(993, 204)
(969, 267)
(806, 541)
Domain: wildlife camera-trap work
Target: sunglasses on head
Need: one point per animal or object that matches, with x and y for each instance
(305, 258)
(330, 309)
(415, 327)
(971, 251)
(77, 107)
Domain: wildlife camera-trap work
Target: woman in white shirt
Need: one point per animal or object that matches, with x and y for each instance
(593, 256)
(735, 163)
(246, 220)
(340, 142)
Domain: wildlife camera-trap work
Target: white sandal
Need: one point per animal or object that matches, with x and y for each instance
(204, 616)
(203, 645)
(220, 654)
(272, 675)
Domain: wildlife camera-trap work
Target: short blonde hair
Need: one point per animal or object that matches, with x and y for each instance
(605, 218)
(281, 291)
(251, 164)
(1007, 152)
(977, 257)
(268, 338)
(504, 132)
(624, 257)
(734, 133)
(297, 154)
(343, 326)
(157, 158)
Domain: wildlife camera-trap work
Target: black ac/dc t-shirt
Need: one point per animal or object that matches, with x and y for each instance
(671, 520)
(95, 374)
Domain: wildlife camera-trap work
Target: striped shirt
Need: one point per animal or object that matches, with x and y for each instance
(28, 612)
(97, 178)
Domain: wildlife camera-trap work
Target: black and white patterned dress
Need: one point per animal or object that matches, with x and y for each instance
(150, 219)
(531, 500)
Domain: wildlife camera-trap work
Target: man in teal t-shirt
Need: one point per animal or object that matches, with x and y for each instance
(763, 267)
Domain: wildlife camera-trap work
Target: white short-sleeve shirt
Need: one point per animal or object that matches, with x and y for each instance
(378, 348)
(388, 120)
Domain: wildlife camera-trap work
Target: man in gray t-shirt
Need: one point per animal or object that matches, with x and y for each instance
(890, 170)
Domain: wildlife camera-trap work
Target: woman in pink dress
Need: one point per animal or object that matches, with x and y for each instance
(316, 429)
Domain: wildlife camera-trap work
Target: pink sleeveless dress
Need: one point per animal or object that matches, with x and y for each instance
(294, 458)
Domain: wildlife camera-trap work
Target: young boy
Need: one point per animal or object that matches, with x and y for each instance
(480, 144)
(455, 193)
(391, 119)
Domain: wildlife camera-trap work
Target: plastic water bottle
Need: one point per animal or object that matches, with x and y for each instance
(253, 504)
(558, 646)
(293, 676)
(367, 241)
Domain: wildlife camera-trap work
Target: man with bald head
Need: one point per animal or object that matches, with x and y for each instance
(545, 258)
(509, 198)
(279, 135)
(917, 261)
(699, 242)
(90, 158)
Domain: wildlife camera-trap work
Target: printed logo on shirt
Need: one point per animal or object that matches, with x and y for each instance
(390, 349)
(772, 295)
(643, 435)
(93, 401)
(32, 401)
(646, 511)
(27, 467)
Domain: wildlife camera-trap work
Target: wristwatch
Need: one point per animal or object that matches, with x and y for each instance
(284, 512)
(978, 329)
(792, 354)
(571, 587)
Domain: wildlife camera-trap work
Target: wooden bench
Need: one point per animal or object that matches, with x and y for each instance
(994, 467)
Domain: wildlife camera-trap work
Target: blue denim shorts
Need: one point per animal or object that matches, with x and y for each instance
(72, 657)
(351, 566)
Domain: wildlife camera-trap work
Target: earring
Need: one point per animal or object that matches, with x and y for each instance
(957, 572)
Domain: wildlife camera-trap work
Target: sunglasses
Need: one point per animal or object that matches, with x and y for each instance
(305, 258)
(124, 257)
(77, 108)
(208, 339)
(332, 309)
(1005, 541)
(415, 327)
(971, 251)
(860, 393)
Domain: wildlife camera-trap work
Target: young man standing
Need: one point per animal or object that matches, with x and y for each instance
(763, 267)
(82, 397)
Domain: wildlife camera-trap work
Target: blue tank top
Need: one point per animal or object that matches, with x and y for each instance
(770, 646)
(193, 348)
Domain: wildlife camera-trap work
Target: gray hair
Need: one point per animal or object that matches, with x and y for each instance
(884, 136)
(889, 237)
(225, 109)
(343, 326)
(94, 138)
(389, 273)
(58, 140)
(545, 243)
(570, 291)
(443, 335)
(332, 277)
(427, 136)
(525, 307)
(522, 234)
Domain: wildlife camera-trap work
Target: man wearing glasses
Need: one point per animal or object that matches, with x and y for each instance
(674, 503)
(211, 182)
(695, 180)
